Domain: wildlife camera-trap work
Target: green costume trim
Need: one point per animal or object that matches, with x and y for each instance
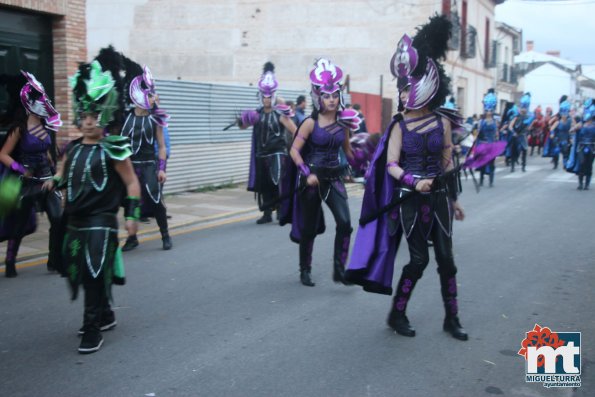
(117, 147)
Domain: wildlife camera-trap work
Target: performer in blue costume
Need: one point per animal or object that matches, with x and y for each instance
(413, 162)
(582, 154)
(268, 156)
(488, 133)
(317, 174)
(519, 128)
(560, 133)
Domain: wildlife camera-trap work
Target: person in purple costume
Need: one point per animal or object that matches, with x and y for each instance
(144, 126)
(413, 160)
(272, 124)
(319, 174)
(27, 153)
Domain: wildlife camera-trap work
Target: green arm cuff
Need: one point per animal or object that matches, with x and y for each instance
(132, 208)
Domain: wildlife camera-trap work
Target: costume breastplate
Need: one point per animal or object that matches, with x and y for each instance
(421, 153)
(141, 130)
(324, 144)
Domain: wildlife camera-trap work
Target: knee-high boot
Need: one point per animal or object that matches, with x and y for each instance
(397, 319)
(306, 247)
(452, 325)
(12, 249)
(342, 240)
(161, 218)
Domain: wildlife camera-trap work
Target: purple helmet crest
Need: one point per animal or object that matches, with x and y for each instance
(404, 59)
(267, 84)
(421, 88)
(325, 78)
(36, 101)
(141, 88)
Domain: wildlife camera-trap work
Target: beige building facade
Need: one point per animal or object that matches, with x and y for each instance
(228, 41)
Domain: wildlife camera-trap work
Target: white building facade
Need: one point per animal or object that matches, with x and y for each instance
(228, 41)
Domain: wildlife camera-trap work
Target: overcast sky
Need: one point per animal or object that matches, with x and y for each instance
(564, 25)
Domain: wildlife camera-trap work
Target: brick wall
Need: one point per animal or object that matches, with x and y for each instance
(70, 48)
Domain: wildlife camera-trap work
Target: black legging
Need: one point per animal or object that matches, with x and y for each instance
(419, 253)
(516, 150)
(50, 203)
(311, 202)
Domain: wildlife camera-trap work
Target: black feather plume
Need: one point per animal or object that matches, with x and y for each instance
(563, 98)
(431, 41)
(268, 67)
(12, 112)
(131, 70)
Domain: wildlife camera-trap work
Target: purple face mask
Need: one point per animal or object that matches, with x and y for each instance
(41, 106)
(140, 95)
(421, 88)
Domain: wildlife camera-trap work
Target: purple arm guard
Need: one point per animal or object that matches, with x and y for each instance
(18, 168)
(305, 170)
(162, 165)
(408, 180)
(249, 117)
(358, 160)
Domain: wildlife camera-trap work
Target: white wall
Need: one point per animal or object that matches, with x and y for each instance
(228, 41)
(471, 74)
(547, 84)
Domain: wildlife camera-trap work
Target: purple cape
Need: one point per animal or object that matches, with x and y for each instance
(290, 209)
(374, 251)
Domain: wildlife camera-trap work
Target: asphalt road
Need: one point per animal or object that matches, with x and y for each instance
(223, 313)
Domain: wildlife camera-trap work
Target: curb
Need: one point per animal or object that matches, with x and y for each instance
(152, 233)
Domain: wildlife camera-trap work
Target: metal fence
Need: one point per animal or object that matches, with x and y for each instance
(202, 154)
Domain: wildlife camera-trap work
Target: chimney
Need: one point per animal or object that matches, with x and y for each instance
(555, 53)
(529, 45)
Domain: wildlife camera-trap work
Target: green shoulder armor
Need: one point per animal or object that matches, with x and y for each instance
(117, 147)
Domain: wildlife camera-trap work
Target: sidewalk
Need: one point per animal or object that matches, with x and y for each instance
(186, 210)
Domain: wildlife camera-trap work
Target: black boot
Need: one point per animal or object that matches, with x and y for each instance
(91, 339)
(265, 218)
(130, 244)
(580, 182)
(340, 257)
(306, 247)
(399, 322)
(587, 182)
(397, 319)
(452, 324)
(10, 270)
(12, 248)
(167, 244)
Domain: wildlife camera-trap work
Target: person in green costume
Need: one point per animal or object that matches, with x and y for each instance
(97, 175)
